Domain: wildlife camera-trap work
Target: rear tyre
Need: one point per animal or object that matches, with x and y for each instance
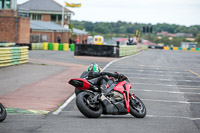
(137, 108)
(3, 113)
(87, 106)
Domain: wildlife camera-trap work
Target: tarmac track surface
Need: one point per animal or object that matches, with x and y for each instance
(168, 82)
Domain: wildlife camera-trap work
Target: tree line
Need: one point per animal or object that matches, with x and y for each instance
(122, 28)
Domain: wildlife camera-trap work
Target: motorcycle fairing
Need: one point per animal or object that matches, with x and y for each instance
(124, 88)
(81, 84)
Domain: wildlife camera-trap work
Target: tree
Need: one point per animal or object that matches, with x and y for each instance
(181, 29)
(198, 40)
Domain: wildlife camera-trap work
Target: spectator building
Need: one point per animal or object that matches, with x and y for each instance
(36, 21)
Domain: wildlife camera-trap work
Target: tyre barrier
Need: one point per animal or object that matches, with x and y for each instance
(131, 49)
(25, 44)
(7, 44)
(37, 46)
(13, 55)
(180, 48)
(51, 46)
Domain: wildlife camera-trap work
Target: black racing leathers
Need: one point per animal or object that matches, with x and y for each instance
(102, 78)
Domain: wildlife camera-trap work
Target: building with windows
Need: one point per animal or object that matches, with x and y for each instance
(12, 27)
(45, 10)
(36, 21)
(8, 4)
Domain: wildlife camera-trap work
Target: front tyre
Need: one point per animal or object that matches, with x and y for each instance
(137, 108)
(3, 113)
(87, 106)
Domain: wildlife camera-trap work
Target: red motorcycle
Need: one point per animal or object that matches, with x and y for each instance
(118, 99)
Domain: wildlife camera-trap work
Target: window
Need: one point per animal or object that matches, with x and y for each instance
(36, 17)
(59, 18)
(56, 18)
(1, 4)
(53, 18)
(5, 4)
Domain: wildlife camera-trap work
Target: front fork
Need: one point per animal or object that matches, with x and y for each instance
(133, 99)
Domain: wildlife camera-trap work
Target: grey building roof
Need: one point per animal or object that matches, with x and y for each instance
(51, 26)
(42, 6)
(79, 32)
(47, 26)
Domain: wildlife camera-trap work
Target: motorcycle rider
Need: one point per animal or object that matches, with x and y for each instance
(94, 71)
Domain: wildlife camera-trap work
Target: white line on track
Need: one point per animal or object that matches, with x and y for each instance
(73, 96)
(163, 79)
(169, 101)
(173, 92)
(189, 88)
(164, 85)
(149, 115)
(117, 60)
(164, 75)
(64, 105)
(156, 71)
(178, 117)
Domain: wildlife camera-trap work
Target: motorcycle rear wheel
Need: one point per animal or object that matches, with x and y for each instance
(137, 109)
(3, 113)
(87, 106)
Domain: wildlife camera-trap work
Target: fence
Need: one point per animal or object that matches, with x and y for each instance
(13, 55)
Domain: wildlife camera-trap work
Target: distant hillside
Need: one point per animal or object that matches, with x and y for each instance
(130, 28)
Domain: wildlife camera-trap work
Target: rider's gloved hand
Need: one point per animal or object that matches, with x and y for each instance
(121, 77)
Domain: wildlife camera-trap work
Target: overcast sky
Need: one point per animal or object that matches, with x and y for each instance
(183, 12)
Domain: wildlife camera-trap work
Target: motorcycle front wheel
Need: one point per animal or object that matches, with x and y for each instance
(137, 108)
(3, 113)
(87, 106)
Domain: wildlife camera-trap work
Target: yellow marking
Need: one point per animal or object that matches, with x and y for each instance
(44, 112)
(194, 73)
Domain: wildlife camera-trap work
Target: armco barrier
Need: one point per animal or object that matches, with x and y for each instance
(13, 55)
